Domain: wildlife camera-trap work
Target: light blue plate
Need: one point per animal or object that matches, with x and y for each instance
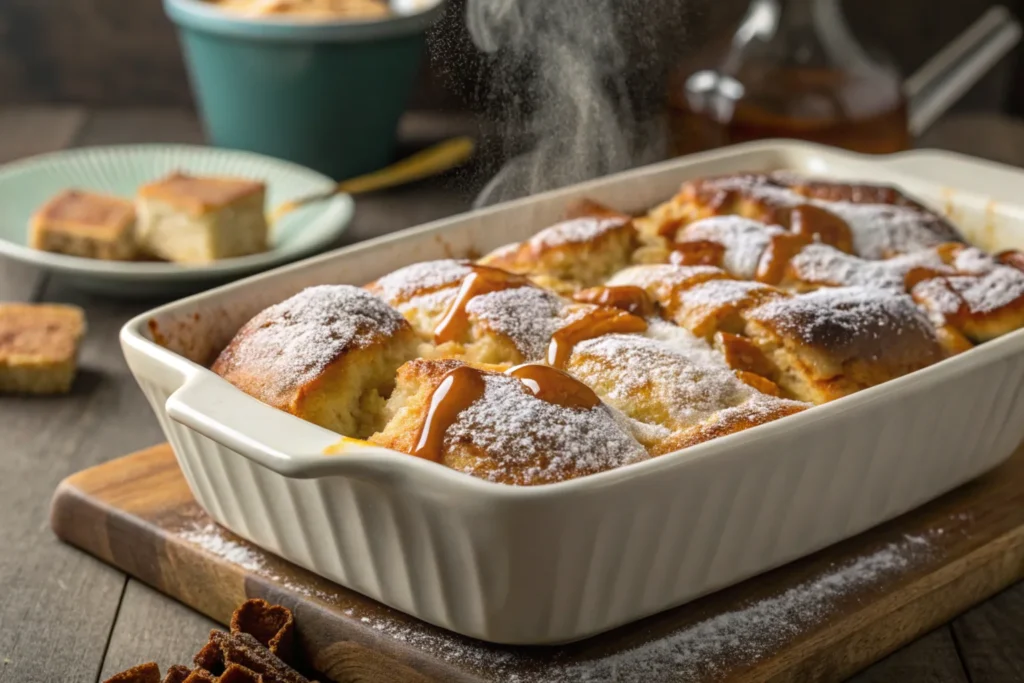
(25, 185)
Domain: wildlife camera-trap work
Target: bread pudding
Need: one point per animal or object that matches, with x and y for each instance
(608, 339)
(39, 347)
(85, 224)
(190, 219)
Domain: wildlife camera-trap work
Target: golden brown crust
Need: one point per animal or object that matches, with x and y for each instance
(39, 347)
(572, 255)
(99, 216)
(833, 342)
(200, 195)
(327, 355)
(872, 221)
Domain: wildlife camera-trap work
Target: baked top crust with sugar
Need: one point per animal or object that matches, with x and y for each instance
(86, 213)
(200, 195)
(607, 339)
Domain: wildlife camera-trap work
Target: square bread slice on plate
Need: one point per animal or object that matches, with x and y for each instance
(85, 224)
(196, 219)
(39, 347)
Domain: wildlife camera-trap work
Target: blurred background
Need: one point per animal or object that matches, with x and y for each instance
(110, 53)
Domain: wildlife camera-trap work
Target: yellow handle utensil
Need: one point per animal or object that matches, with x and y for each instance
(431, 161)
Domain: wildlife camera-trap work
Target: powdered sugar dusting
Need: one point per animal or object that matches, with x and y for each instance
(292, 342)
(717, 293)
(825, 265)
(218, 541)
(656, 381)
(937, 297)
(744, 240)
(662, 276)
(422, 278)
(576, 231)
(843, 314)
(531, 441)
(528, 316)
(973, 261)
(883, 230)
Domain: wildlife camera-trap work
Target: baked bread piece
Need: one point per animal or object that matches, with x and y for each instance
(870, 221)
(734, 243)
(423, 291)
(981, 306)
(532, 324)
(192, 219)
(571, 255)
(537, 428)
(833, 342)
(328, 355)
(819, 265)
(674, 383)
(703, 299)
(39, 347)
(85, 224)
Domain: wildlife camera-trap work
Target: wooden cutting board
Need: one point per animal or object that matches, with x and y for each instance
(821, 618)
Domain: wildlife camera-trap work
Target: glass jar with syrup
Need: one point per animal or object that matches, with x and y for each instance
(791, 70)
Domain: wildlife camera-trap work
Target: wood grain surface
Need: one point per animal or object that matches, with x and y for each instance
(869, 595)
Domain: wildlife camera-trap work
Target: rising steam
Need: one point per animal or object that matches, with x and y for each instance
(579, 116)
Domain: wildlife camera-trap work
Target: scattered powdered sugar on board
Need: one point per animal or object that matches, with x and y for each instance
(532, 441)
(745, 241)
(292, 342)
(576, 231)
(218, 541)
(705, 650)
(747, 635)
(421, 278)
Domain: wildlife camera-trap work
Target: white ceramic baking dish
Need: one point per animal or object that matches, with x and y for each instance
(563, 561)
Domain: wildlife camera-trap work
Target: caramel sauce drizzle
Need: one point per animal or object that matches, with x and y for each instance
(814, 222)
(596, 323)
(628, 298)
(697, 253)
(1011, 257)
(483, 280)
(464, 385)
(919, 274)
(458, 389)
(555, 386)
(772, 266)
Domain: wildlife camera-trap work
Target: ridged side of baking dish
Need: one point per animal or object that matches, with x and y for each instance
(564, 561)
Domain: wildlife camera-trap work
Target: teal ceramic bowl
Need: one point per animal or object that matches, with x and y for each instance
(326, 95)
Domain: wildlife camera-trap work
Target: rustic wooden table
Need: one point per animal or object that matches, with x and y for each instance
(66, 617)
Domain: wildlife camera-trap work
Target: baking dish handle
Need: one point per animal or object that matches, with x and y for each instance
(281, 442)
